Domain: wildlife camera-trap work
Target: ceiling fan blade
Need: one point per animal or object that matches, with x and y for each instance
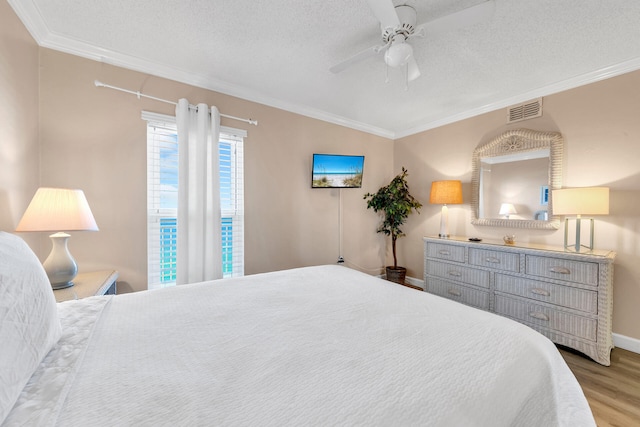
(374, 50)
(461, 19)
(385, 12)
(413, 71)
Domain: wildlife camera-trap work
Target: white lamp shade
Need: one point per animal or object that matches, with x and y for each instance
(398, 54)
(58, 209)
(507, 209)
(581, 201)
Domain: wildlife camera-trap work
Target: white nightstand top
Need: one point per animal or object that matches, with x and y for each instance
(87, 285)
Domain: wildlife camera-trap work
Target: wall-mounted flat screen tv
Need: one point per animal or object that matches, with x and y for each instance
(337, 171)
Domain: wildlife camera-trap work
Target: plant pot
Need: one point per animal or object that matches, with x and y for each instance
(396, 275)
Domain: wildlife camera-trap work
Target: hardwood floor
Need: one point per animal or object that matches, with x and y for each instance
(613, 392)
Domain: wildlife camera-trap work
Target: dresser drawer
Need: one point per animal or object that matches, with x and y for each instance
(506, 261)
(547, 317)
(585, 273)
(459, 273)
(565, 296)
(446, 252)
(459, 293)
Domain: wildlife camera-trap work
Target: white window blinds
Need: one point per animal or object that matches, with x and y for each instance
(232, 205)
(162, 185)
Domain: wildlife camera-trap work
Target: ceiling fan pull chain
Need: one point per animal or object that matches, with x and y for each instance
(386, 73)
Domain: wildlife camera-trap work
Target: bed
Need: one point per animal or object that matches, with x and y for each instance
(322, 345)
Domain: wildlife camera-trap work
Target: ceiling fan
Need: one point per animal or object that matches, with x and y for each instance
(398, 25)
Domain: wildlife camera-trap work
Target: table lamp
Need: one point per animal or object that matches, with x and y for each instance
(507, 209)
(578, 202)
(445, 193)
(57, 209)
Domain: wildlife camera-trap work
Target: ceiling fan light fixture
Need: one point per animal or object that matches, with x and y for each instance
(398, 54)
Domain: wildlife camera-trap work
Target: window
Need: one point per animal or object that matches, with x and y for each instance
(162, 199)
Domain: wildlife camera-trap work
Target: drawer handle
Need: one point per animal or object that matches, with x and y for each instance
(560, 270)
(538, 315)
(492, 260)
(454, 292)
(454, 273)
(443, 252)
(539, 291)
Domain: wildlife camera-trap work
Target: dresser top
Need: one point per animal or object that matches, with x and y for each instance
(558, 251)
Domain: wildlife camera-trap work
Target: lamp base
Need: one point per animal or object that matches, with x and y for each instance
(444, 223)
(56, 286)
(60, 266)
(577, 247)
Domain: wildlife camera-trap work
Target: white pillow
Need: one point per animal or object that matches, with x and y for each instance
(29, 325)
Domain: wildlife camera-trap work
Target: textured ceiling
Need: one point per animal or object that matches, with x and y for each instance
(279, 52)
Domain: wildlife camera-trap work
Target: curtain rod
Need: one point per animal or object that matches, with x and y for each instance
(139, 95)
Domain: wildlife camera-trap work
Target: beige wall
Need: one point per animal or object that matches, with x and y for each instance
(601, 127)
(94, 139)
(18, 120)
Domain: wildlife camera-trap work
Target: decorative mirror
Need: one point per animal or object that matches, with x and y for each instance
(512, 179)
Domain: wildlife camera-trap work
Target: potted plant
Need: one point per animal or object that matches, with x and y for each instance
(395, 203)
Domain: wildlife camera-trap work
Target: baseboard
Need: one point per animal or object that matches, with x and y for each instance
(620, 341)
(627, 343)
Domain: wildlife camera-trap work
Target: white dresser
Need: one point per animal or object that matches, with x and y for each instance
(567, 297)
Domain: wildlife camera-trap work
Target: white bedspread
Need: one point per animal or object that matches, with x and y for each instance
(312, 346)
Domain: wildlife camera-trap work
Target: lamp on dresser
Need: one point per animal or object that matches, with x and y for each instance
(507, 209)
(57, 209)
(578, 202)
(445, 193)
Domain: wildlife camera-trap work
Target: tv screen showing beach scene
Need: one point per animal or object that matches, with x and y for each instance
(337, 171)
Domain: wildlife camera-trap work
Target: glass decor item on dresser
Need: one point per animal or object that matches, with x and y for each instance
(517, 168)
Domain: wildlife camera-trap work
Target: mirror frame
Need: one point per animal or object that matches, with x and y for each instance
(516, 141)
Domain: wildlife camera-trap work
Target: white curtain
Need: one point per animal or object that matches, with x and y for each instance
(199, 241)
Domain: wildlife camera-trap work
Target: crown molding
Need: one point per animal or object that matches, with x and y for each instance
(571, 83)
(81, 49)
(205, 82)
(32, 19)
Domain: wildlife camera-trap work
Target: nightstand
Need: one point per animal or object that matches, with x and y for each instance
(89, 284)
